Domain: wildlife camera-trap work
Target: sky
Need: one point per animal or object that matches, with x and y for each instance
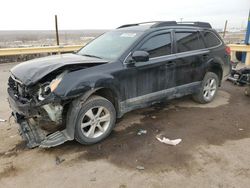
(108, 14)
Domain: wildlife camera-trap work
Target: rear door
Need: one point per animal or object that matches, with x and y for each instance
(191, 54)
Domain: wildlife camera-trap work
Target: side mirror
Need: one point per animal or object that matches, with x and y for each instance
(140, 56)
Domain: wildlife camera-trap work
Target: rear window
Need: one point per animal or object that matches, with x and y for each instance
(211, 39)
(188, 41)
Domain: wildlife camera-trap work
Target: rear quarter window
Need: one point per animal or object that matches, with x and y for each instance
(211, 39)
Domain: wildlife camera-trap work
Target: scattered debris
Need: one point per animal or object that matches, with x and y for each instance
(58, 160)
(153, 117)
(2, 120)
(140, 168)
(141, 132)
(168, 141)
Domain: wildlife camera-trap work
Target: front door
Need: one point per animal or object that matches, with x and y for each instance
(156, 75)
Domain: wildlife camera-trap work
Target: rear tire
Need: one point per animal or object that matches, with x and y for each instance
(95, 120)
(208, 89)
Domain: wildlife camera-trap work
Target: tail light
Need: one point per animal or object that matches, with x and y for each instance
(228, 50)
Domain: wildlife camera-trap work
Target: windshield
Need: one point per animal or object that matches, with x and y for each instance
(110, 45)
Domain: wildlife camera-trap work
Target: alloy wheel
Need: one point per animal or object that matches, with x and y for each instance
(95, 122)
(209, 89)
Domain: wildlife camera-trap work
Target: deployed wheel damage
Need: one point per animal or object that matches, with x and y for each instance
(79, 96)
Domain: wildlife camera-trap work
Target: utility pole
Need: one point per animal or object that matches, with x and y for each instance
(225, 29)
(57, 35)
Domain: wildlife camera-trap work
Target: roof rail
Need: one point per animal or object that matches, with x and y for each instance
(156, 24)
(136, 24)
(127, 25)
(174, 23)
(198, 24)
(164, 23)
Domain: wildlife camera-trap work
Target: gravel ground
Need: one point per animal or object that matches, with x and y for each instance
(214, 151)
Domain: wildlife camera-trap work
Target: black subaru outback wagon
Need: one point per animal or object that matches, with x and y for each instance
(80, 95)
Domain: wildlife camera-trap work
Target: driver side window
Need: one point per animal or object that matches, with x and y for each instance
(159, 45)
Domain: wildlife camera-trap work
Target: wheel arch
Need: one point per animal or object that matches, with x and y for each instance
(108, 94)
(76, 104)
(217, 69)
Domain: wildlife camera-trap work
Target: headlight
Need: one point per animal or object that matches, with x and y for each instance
(53, 85)
(47, 88)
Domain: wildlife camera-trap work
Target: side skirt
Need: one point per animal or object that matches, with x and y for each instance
(152, 98)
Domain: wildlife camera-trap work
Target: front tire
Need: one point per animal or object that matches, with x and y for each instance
(208, 89)
(95, 120)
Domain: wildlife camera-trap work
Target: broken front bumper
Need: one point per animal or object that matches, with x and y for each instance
(26, 110)
(34, 136)
(29, 130)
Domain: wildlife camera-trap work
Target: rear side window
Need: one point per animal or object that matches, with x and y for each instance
(159, 45)
(188, 41)
(211, 39)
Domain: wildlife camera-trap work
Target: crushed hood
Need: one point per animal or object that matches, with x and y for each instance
(32, 71)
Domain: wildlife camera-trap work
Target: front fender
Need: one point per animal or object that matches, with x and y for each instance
(77, 83)
(80, 91)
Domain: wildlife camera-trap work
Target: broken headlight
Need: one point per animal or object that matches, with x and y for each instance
(49, 87)
(53, 85)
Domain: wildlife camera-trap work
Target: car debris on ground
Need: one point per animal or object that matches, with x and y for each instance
(140, 168)
(141, 132)
(168, 141)
(2, 120)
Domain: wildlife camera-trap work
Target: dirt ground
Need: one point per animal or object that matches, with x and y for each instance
(214, 151)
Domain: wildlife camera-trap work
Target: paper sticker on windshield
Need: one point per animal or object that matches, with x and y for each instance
(128, 35)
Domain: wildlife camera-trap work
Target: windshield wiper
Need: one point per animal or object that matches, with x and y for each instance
(88, 55)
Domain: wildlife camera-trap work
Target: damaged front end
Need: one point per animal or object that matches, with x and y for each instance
(38, 111)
